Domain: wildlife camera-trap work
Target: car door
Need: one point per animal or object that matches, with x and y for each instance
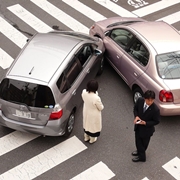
(116, 43)
(134, 63)
(84, 67)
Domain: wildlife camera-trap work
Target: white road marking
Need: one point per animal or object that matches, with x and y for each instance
(137, 4)
(13, 34)
(61, 16)
(29, 18)
(14, 140)
(45, 161)
(155, 7)
(172, 18)
(173, 167)
(5, 61)
(85, 10)
(116, 8)
(145, 178)
(97, 172)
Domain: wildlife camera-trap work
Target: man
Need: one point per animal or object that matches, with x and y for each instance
(147, 115)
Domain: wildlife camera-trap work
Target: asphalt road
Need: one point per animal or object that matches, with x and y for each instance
(116, 142)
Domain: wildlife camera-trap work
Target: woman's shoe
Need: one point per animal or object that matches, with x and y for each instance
(93, 140)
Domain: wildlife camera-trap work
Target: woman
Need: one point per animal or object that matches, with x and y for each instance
(92, 120)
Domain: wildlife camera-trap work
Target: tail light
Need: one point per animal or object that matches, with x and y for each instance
(166, 96)
(57, 113)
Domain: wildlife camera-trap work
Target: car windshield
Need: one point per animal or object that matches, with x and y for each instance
(168, 65)
(26, 93)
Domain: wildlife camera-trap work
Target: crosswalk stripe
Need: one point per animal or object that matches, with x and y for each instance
(13, 34)
(172, 18)
(85, 10)
(155, 7)
(45, 161)
(97, 172)
(5, 59)
(173, 167)
(14, 140)
(145, 178)
(115, 8)
(61, 16)
(29, 18)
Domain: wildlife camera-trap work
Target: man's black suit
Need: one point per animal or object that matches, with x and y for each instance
(143, 133)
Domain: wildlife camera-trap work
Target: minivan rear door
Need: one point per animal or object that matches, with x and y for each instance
(26, 102)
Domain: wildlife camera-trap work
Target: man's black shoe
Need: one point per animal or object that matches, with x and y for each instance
(134, 153)
(137, 159)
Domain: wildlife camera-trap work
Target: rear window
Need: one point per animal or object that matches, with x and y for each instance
(31, 94)
(168, 65)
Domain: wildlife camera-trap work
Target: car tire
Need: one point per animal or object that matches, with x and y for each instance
(101, 68)
(70, 124)
(137, 93)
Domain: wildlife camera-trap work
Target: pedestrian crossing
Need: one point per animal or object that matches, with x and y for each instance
(71, 147)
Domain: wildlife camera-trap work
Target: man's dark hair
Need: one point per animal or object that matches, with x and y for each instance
(149, 94)
(92, 86)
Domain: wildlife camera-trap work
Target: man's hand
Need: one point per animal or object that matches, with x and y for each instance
(136, 119)
(140, 121)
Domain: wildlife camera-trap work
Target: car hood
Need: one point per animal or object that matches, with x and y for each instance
(174, 86)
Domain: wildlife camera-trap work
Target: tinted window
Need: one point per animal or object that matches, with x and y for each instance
(20, 92)
(85, 53)
(121, 36)
(139, 52)
(69, 75)
(168, 65)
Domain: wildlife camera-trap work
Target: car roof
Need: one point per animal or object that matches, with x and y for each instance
(43, 55)
(163, 37)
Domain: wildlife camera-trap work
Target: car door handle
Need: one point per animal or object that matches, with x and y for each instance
(88, 71)
(135, 74)
(74, 92)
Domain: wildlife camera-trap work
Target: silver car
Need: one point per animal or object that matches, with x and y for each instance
(41, 91)
(146, 55)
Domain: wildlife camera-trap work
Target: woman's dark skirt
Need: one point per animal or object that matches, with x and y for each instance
(97, 134)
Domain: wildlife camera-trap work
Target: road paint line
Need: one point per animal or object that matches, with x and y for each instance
(172, 18)
(29, 18)
(173, 167)
(5, 59)
(61, 16)
(145, 178)
(85, 10)
(45, 161)
(97, 172)
(155, 7)
(15, 140)
(115, 8)
(12, 33)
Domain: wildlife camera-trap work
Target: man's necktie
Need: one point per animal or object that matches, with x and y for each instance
(144, 108)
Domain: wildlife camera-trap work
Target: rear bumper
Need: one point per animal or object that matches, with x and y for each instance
(169, 109)
(52, 128)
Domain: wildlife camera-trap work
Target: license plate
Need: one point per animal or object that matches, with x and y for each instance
(23, 114)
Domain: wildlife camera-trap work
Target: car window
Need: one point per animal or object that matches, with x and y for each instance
(85, 53)
(168, 65)
(69, 75)
(30, 94)
(139, 52)
(122, 37)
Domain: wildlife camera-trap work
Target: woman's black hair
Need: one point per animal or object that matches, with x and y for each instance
(92, 86)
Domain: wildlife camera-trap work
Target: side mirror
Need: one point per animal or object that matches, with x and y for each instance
(107, 33)
(98, 52)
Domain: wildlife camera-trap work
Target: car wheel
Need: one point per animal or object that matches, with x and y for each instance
(70, 124)
(137, 93)
(101, 68)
